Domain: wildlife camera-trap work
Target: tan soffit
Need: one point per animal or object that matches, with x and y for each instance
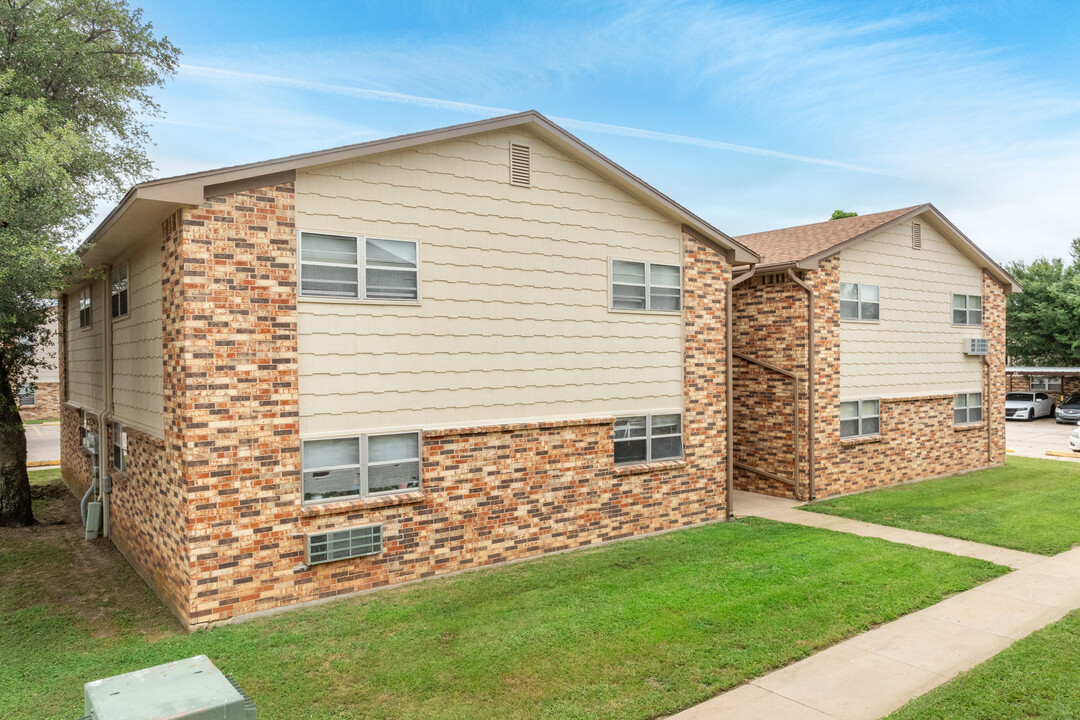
(148, 203)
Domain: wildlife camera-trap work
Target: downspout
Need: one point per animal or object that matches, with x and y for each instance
(104, 481)
(729, 484)
(812, 346)
(988, 416)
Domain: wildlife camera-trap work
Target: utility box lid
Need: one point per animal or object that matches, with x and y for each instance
(193, 688)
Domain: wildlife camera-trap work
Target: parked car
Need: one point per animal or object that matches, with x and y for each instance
(1028, 405)
(1069, 410)
(1074, 440)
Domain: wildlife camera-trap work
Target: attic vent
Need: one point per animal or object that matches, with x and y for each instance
(520, 162)
(916, 236)
(774, 279)
(344, 544)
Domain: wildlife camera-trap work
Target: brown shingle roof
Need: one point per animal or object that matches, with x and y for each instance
(805, 241)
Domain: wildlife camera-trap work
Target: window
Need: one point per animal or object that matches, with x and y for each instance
(645, 438)
(859, 301)
(359, 467)
(27, 396)
(645, 286)
(967, 309)
(85, 316)
(345, 266)
(1045, 383)
(859, 418)
(119, 447)
(967, 408)
(120, 291)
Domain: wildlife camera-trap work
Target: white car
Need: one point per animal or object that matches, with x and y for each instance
(1028, 405)
(1074, 440)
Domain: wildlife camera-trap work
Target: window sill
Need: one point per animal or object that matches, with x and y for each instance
(628, 311)
(868, 440)
(969, 426)
(355, 301)
(373, 503)
(640, 468)
(860, 322)
(120, 475)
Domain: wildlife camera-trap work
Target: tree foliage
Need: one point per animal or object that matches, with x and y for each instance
(841, 214)
(76, 78)
(1044, 320)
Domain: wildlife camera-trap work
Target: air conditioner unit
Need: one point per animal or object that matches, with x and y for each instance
(976, 346)
(334, 545)
(191, 689)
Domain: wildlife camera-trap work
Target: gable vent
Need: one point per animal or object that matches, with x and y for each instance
(334, 545)
(520, 161)
(916, 236)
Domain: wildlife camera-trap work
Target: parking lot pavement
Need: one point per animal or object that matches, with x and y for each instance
(1033, 439)
(43, 443)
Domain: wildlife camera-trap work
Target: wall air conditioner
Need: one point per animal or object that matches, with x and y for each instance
(323, 547)
(976, 346)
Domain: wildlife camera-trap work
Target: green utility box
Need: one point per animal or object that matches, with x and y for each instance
(192, 689)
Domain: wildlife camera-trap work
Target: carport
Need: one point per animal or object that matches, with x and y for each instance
(1057, 381)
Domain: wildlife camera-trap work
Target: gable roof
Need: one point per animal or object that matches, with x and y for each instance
(145, 205)
(805, 246)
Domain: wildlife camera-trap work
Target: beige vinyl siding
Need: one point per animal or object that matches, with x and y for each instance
(138, 397)
(914, 349)
(84, 350)
(513, 320)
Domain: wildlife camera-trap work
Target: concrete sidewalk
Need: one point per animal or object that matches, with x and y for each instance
(873, 674)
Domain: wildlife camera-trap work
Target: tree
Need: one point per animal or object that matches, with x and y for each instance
(1042, 326)
(75, 84)
(841, 214)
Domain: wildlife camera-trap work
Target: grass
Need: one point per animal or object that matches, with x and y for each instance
(633, 630)
(1029, 504)
(1036, 677)
(41, 421)
(44, 477)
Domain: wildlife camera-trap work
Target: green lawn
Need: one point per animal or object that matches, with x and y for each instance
(633, 630)
(1029, 504)
(44, 477)
(1037, 677)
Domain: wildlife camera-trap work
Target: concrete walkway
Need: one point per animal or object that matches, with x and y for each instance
(873, 674)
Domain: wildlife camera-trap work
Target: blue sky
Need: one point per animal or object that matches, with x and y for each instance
(753, 115)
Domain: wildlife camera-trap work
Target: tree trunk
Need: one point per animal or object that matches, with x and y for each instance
(15, 508)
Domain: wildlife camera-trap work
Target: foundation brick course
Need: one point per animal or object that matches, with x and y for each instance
(918, 436)
(212, 516)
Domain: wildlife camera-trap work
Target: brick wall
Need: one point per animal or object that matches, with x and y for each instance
(76, 465)
(46, 403)
(919, 438)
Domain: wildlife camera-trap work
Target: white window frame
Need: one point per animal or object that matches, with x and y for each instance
(1044, 383)
(860, 302)
(967, 310)
(648, 288)
(962, 403)
(363, 493)
(119, 434)
(85, 301)
(861, 417)
(126, 292)
(649, 437)
(361, 268)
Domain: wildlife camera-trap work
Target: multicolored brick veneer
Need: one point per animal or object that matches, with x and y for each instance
(46, 403)
(919, 438)
(1019, 382)
(76, 464)
(212, 516)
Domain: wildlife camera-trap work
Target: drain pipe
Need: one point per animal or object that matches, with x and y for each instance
(812, 346)
(104, 481)
(729, 483)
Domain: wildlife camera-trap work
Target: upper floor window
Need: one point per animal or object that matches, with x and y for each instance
(967, 408)
(85, 315)
(346, 266)
(967, 309)
(120, 291)
(645, 438)
(859, 301)
(361, 466)
(645, 286)
(1045, 383)
(859, 418)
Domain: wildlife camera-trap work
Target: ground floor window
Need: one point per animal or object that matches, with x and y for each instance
(967, 408)
(1045, 384)
(361, 466)
(27, 396)
(645, 438)
(119, 444)
(859, 418)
